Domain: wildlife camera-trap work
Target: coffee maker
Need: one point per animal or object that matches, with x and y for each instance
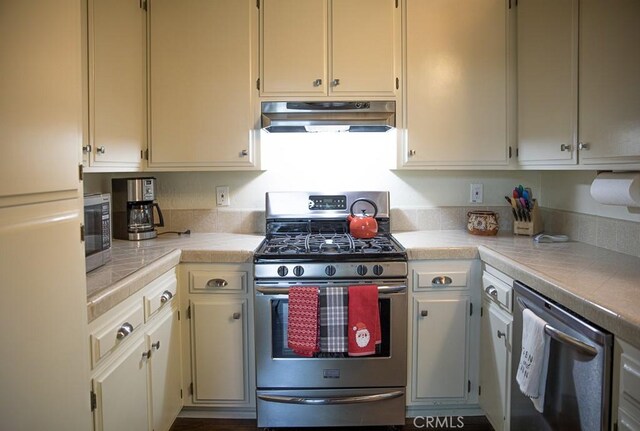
(133, 203)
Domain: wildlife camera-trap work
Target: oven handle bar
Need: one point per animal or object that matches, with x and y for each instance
(333, 400)
(285, 290)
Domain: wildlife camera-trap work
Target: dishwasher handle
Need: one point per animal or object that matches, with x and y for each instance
(565, 338)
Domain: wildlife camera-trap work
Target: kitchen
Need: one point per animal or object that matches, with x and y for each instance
(429, 189)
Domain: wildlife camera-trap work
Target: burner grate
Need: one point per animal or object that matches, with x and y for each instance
(327, 243)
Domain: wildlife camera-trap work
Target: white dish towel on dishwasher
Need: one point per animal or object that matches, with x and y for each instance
(532, 370)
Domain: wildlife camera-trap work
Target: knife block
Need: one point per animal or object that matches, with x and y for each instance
(530, 228)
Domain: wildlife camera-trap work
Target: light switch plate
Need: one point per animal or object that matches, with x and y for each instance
(222, 196)
(476, 193)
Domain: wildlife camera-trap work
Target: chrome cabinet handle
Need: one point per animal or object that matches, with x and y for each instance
(583, 146)
(412, 153)
(236, 316)
(491, 290)
(442, 280)
(424, 313)
(217, 282)
(565, 147)
(156, 345)
(166, 296)
(124, 330)
(335, 82)
(101, 150)
(244, 153)
(317, 83)
(86, 148)
(501, 334)
(146, 355)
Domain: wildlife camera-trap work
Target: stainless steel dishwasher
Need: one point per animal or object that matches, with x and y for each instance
(578, 385)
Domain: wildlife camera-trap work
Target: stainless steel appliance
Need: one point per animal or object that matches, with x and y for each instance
(133, 204)
(97, 230)
(308, 243)
(360, 116)
(578, 385)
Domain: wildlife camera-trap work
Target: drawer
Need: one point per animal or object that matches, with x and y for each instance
(497, 290)
(159, 293)
(217, 281)
(442, 275)
(115, 332)
(630, 380)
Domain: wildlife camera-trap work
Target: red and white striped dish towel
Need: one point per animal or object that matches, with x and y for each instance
(364, 320)
(302, 332)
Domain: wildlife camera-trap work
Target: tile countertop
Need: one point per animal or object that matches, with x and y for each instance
(601, 285)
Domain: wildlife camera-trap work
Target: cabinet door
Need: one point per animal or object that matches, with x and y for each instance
(165, 370)
(121, 392)
(609, 83)
(547, 82)
(495, 361)
(441, 348)
(456, 89)
(219, 350)
(117, 83)
(201, 55)
(363, 55)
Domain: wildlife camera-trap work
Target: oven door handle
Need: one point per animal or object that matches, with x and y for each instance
(285, 290)
(333, 400)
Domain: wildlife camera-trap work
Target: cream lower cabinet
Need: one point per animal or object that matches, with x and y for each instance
(444, 332)
(219, 328)
(625, 411)
(137, 374)
(203, 67)
(458, 76)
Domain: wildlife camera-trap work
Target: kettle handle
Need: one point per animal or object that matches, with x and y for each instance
(373, 204)
(161, 224)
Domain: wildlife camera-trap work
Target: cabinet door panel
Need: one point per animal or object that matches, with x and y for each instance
(122, 393)
(363, 55)
(609, 84)
(201, 68)
(293, 46)
(441, 337)
(218, 350)
(456, 92)
(117, 82)
(547, 81)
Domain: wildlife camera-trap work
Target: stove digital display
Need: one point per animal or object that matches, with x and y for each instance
(317, 203)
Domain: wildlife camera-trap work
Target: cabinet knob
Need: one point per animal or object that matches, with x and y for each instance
(86, 148)
(317, 83)
(412, 153)
(101, 150)
(146, 355)
(491, 290)
(124, 330)
(217, 282)
(424, 313)
(156, 345)
(166, 296)
(565, 147)
(583, 146)
(236, 316)
(244, 153)
(335, 82)
(501, 334)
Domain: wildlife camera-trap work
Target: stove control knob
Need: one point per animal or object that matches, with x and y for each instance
(330, 270)
(298, 270)
(282, 271)
(361, 270)
(378, 269)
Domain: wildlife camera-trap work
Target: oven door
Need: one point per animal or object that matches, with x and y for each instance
(279, 367)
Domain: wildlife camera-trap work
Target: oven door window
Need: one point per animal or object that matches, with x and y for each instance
(280, 312)
(92, 229)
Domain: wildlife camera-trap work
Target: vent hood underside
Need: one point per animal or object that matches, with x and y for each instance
(301, 117)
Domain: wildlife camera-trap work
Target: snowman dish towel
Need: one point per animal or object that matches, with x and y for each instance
(532, 369)
(364, 320)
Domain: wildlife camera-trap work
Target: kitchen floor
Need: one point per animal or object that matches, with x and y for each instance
(469, 423)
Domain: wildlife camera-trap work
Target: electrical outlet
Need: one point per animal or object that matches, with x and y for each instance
(222, 196)
(476, 193)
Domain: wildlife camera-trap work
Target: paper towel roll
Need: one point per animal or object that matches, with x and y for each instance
(617, 188)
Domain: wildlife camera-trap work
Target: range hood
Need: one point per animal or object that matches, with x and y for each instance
(287, 117)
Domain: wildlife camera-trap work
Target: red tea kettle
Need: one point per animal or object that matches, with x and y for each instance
(363, 226)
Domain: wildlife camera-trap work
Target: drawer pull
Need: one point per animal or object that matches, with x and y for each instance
(217, 282)
(491, 290)
(166, 296)
(236, 316)
(442, 280)
(124, 330)
(424, 313)
(156, 345)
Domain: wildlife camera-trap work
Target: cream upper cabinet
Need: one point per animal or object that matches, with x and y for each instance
(457, 65)
(609, 82)
(117, 85)
(547, 82)
(329, 48)
(203, 66)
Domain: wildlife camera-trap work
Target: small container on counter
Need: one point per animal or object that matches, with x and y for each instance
(482, 223)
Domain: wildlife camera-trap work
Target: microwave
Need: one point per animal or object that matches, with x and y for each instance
(97, 230)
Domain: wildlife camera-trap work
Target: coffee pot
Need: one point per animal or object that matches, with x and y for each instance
(133, 205)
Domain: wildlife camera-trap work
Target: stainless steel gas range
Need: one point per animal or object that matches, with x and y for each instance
(308, 244)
